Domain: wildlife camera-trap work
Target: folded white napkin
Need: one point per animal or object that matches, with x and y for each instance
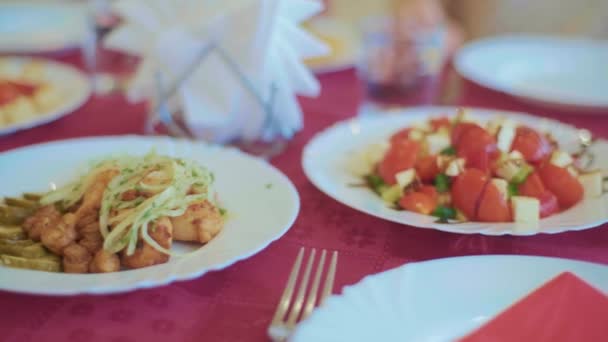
(261, 38)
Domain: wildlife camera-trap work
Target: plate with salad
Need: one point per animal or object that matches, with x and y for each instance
(464, 170)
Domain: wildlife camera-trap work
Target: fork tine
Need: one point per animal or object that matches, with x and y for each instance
(329, 280)
(312, 294)
(297, 305)
(289, 287)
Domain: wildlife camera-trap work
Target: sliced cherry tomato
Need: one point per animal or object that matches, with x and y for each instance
(23, 88)
(401, 135)
(8, 93)
(493, 206)
(531, 144)
(436, 124)
(533, 186)
(418, 202)
(478, 148)
(560, 182)
(426, 168)
(431, 191)
(459, 130)
(548, 204)
(466, 191)
(400, 156)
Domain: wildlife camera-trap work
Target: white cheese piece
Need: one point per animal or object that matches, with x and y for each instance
(515, 155)
(525, 209)
(405, 178)
(455, 167)
(437, 142)
(502, 186)
(509, 168)
(592, 183)
(506, 135)
(416, 135)
(561, 158)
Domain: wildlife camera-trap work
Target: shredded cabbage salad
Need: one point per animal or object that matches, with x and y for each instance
(162, 187)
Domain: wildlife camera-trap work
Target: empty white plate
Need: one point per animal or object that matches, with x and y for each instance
(571, 72)
(30, 26)
(438, 300)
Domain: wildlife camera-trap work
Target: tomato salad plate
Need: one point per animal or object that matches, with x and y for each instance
(113, 214)
(464, 170)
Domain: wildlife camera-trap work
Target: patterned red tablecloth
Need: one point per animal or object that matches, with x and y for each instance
(236, 304)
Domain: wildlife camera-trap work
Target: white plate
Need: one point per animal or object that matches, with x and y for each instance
(327, 158)
(439, 300)
(69, 81)
(345, 55)
(549, 70)
(261, 203)
(28, 26)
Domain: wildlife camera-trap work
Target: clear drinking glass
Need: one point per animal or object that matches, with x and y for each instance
(399, 64)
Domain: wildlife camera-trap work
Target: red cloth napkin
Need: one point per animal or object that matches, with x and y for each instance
(564, 309)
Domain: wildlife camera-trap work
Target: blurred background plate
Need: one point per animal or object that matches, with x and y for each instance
(36, 26)
(439, 300)
(340, 38)
(70, 90)
(564, 72)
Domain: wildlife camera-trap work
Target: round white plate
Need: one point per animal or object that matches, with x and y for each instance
(251, 224)
(343, 56)
(72, 84)
(439, 300)
(28, 27)
(328, 158)
(567, 72)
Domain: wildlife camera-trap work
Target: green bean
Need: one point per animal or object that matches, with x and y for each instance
(33, 251)
(22, 243)
(41, 264)
(20, 202)
(32, 197)
(15, 215)
(12, 232)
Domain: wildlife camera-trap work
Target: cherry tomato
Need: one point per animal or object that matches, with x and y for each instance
(493, 206)
(548, 204)
(436, 124)
(533, 186)
(401, 135)
(531, 144)
(400, 156)
(426, 168)
(478, 148)
(431, 191)
(466, 191)
(418, 202)
(459, 130)
(562, 184)
(8, 93)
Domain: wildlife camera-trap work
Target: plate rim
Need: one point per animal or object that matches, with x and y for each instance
(60, 112)
(432, 110)
(409, 269)
(139, 283)
(483, 44)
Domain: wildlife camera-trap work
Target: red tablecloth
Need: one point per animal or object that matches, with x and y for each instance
(236, 304)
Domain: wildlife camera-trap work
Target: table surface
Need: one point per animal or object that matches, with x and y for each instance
(236, 304)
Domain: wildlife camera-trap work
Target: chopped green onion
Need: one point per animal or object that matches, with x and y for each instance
(442, 182)
(375, 182)
(448, 151)
(513, 189)
(223, 211)
(444, 213)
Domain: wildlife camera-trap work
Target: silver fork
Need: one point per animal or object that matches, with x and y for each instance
(290, 310)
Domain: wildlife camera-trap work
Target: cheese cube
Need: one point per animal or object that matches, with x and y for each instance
(437, 142)
(506, 135)
(592, 183)
(405, 178)
(455, 167)
(561, 158)
(502, 186)
(525, 209)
